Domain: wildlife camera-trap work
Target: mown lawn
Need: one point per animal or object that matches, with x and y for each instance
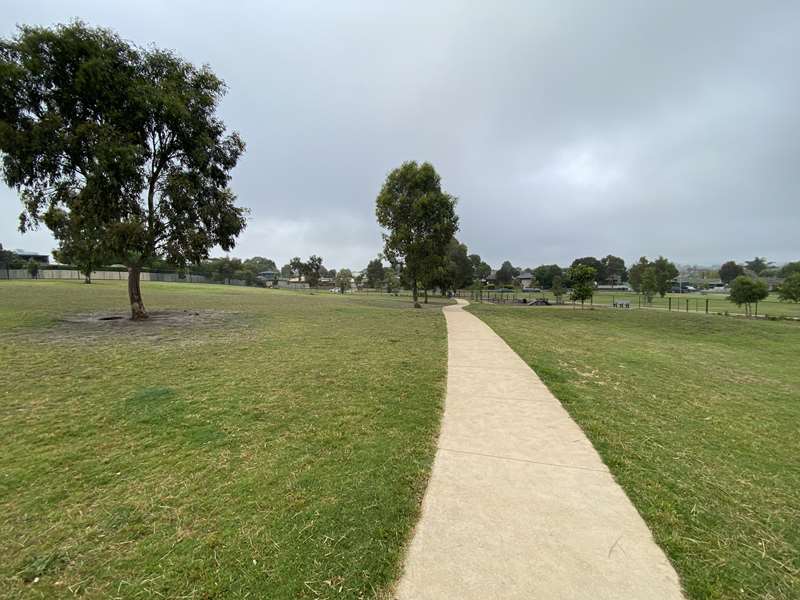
(273, 445)
(699, 420)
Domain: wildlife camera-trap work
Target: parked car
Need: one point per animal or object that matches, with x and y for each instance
(531, 290)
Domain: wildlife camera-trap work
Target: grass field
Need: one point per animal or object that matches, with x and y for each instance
(699, 420)
(273, 445)
(696, 302)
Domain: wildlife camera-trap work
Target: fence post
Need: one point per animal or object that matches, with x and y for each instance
(706, 305)
(687, 305)
(670, 302)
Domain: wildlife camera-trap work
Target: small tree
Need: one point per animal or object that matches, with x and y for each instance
(758, 265)
(648, 283)
(582, 278)
(391, 280)
(557, 288)
(343, 280)
(746, 292)
(505, 274)
(665, 273)
(420, 221)
(375, 272)
(789, 290)
(311, 270)
(33, 268)
(636, 272)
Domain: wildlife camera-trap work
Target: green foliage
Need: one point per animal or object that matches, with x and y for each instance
(420, 221)
(649, 283)
(546, 274)
(391, 280)
(505, 274)
(480, 269)
(311, 270)
(591, 261)
(343, 280)
(758, 265)
(582, 277)
(789, 269)
(375, 272)
(259, 264)
(118, 146)
(746, 292)
(730, 271)
(614, 270)
(789, 290)
(557, 288)
(33, 268)
(636, 272)
(665, 272)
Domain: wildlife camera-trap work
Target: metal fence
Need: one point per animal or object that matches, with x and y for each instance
(109, 275)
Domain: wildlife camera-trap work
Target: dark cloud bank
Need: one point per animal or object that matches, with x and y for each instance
(565, 129)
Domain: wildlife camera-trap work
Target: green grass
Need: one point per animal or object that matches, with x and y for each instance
(717, 302)
(699, 420)
(276, 445)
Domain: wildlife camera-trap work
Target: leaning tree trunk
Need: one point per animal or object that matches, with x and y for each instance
(415, 294)
(138, 311)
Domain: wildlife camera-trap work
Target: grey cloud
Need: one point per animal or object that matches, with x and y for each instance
(565, 128)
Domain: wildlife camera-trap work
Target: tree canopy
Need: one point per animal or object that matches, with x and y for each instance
(419, 219)
(546, 274)
(582, 277)
(789, 290)
(505, 274)
(730, 271)
(117, 144)
(746, 292)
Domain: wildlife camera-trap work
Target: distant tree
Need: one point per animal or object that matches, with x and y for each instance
(332, 274)
(730, 271)
(746, 292)
(636, 272)
(311, 270)
(391, 280)
(614, 269)
(286, 270)
(648, 284)
(296, 265)
(375, 272)
(420, 220)
(591, 261)
(789, 269)
(758, 265)
(582, 277)
(557, 288)
(92, 127)
(480, 269)
(33, 268)
(665, 273)
(789, 290)
(259, 264)
(459, 265)
(546, 274)
(505, 274)
(343, 280)
(82, 247)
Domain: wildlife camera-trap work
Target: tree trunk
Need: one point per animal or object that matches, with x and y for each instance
(415, 294)
(87, 277)
(138, 311)
(426, 295)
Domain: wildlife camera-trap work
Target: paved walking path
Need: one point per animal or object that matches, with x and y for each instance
(519, 504)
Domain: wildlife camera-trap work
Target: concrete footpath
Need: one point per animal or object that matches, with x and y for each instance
(519, 504)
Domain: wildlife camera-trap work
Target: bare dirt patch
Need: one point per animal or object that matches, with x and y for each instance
(162, 326)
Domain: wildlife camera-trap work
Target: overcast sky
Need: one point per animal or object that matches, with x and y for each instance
(565, 129)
